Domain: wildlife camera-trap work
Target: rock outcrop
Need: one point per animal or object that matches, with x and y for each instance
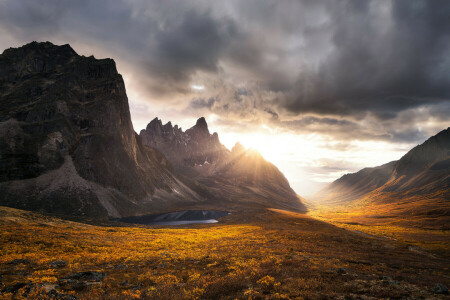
(67, 144)
(189, 149)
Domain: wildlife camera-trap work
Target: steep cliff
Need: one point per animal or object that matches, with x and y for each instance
(67, 144)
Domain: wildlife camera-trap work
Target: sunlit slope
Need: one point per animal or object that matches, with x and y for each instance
(414, 188)
(261, 254)
(246, 177)
(356, 185)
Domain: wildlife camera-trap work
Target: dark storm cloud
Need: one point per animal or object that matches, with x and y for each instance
(352, 69)
(167, 41)
(405, 128)
(240, 92)
(341, 129)
(195, 43)
(385, 59)
(202, 103)
(272, 113)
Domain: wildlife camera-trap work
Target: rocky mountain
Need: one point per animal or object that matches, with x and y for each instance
(353, 186)
(194, 148)
(425, 169)
(232, 178)
(67, 144)
(418, 183)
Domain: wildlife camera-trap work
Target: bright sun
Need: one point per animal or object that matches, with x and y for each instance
(267, 145)
(306, 159)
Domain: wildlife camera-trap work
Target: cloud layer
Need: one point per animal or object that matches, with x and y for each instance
(349, 70)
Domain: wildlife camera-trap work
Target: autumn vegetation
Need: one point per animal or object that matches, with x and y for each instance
(262, 254)
(419, 220)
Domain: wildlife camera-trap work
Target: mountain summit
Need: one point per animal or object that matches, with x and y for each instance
(194, 147)
(201, 124)
(233, 178)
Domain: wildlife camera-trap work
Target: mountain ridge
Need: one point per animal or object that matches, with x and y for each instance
(416, 185)
(239, 173)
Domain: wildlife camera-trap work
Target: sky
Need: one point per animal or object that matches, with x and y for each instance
(320, 88)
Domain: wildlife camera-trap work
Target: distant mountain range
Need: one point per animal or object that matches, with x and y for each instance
(67, 146)
(417, 185)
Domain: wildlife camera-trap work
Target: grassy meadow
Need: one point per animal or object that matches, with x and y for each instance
(262, 254)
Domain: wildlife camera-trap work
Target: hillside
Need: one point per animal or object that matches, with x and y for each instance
(415, 188)
(355, 185)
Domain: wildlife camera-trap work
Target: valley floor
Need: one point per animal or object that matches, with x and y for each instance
(261, 254)
(428, 231)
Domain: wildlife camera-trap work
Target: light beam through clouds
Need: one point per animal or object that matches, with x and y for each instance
(320, 87)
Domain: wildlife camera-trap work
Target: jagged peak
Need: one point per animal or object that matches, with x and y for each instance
(156, 121)
(215, 137)
(201, 122)
(154, 124)
(200, 126)
(237, 148)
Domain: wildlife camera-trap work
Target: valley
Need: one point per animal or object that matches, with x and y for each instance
(407, 200)
(378, 222)
(88, 205)
(259, 254)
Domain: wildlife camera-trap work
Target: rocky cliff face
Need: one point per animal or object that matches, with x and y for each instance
(195, 147)
(67, 144)
(231, 178)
